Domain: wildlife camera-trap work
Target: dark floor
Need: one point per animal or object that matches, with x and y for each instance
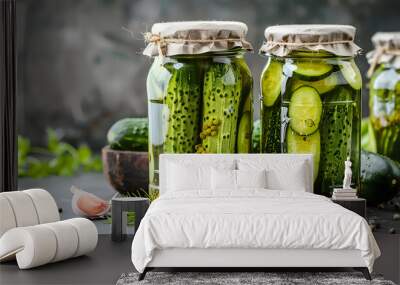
(103, 266)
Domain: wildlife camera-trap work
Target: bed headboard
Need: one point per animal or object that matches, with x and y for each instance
(210, 159)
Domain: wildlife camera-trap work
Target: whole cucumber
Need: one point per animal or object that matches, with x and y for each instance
(380, 178)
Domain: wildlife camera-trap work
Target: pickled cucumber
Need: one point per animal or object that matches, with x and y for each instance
(244, 134)
(221, 99)
(271, 82)
(336, 140)
(312, 70)
(305, 144)
(351, 74)
(305, 110)
(271, 128)
(247, 83)
(322, 86)
(183, 102)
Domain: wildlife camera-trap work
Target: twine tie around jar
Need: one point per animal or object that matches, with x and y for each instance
(162, 42)
(309, 43)
(379, 52)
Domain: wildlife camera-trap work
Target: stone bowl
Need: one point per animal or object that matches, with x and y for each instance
(126, 171)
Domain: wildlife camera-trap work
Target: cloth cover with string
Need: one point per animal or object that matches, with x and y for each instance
(387, 50)
(195, 37)
(335, 39)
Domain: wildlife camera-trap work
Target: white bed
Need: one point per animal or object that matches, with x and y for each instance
(250, 227)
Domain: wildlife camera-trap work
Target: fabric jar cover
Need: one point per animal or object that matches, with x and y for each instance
(336, 39)
(387, 50)
(195, 37)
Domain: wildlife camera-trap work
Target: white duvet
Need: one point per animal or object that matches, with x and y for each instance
(256, 218)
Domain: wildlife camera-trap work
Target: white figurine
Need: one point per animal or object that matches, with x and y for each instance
(347, 174)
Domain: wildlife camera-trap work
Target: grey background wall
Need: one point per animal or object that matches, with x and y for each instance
(79, 71)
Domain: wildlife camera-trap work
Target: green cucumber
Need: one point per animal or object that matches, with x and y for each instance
(323, 86)
(129, 134)
(183, 102)
(271, 82)
(380, 178)
(221, 100)
(351, 73)
(336, 140)
(244, 134)
(305, 144)
(247, 83)
(271, 128)
(312, 70)
(305, 109)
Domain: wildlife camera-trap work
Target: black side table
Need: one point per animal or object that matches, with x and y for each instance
(120, 207)
(358, 205)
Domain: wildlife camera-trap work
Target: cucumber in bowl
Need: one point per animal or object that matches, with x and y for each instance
(305, 109)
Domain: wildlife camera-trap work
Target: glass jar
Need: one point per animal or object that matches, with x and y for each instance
(198, 103)
(311, 103)
(384, 96)
(384, 103)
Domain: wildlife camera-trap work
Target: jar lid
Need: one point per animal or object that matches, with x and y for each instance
(387, 50)
(388, 40)
(195, 37)
(336, 39)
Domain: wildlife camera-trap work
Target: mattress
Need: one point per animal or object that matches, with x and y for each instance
(250, 219)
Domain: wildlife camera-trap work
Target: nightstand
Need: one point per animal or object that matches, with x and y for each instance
(120, 207)
(358, 205)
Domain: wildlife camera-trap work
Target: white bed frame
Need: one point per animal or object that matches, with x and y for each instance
(251, 258)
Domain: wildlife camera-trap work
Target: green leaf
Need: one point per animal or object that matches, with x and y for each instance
(60, 158)
(52, 140)
(37, 168)
(24, 147)
(84, 155)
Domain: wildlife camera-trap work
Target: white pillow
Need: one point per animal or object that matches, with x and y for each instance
(251, 178)
(293, 178)
(228, 179)
(223, 179)
(283, 173)
(183, 177)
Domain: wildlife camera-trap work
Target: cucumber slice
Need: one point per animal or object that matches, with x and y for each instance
(305, 144)
(271, 82)
(323, 86)
(351, 74)
(312, 70)
(305, 109)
